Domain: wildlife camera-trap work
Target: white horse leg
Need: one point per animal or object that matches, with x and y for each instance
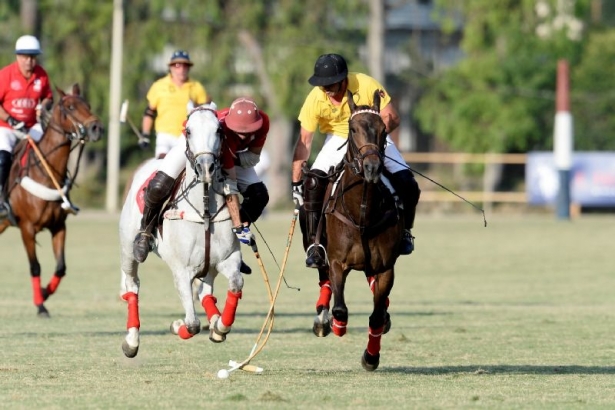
(130, 293)
(192, 324)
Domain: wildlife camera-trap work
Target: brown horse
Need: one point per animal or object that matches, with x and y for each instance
(363, 229)
(35, 197)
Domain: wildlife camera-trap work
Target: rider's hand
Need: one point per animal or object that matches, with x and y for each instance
(298, 194)
(16, 124)
(244, 235)
(144, 141)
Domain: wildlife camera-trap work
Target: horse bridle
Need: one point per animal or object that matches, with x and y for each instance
(356, 153)
(192, 157)
(79, 132)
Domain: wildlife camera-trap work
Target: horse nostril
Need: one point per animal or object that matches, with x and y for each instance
(212, 168)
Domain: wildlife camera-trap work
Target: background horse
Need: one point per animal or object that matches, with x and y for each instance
(35, 200)
(195, 239)
(363, 227)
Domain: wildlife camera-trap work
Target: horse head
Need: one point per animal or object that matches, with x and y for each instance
(72, 117)
(366, 139)
(203, 142)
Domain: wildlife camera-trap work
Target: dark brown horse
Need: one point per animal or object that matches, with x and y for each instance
(35, 199)
(363, 229)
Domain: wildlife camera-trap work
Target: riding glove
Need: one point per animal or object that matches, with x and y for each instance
(244, 235)
(144, 141)
(16, 124)
(298, 194)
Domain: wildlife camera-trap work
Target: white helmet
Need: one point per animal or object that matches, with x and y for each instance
(27, 45)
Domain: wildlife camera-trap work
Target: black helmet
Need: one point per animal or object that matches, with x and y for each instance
(329, 69)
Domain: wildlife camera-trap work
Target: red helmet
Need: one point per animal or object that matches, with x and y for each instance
(243, 117)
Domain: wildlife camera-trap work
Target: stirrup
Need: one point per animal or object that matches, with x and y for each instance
(407, 243)
(141, 246)
(316, 256)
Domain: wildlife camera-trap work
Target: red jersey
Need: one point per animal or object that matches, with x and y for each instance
(232, 143)
(19, 97)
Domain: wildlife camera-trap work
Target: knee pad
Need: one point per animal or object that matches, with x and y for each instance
(158, 189)
(314, 188)
(255, 199)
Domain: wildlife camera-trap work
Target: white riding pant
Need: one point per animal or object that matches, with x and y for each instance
(165, 142)
(175, 162)
(330, 155)
(8, 138)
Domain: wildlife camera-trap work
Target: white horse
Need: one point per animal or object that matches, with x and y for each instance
(195, 239)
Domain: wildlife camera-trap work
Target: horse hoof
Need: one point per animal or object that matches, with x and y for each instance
(322, 323)
(42, 312)
(217, 334)
(175, 325)
(322, 329)
(387, 323)
(129, 351)
(369, 362)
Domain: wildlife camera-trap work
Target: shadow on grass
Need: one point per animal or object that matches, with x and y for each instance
(480, 370)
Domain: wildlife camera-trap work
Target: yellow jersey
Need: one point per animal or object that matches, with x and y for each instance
(319, 111)
(172, 103)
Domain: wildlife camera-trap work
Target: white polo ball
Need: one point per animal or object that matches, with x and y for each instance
(223, 374)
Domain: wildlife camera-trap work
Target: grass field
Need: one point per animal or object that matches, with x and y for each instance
(520, 314)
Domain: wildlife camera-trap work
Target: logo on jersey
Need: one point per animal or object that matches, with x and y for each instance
(15, 85)
(28, 103)
(38, 86)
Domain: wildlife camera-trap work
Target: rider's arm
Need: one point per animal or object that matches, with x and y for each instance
(302, 153)
(390, 117)
(231, 193)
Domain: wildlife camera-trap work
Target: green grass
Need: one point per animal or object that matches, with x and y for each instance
(516, 315)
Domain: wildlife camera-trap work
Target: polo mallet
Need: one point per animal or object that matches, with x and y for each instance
(256, 349)
(66, 204)
(125, 119)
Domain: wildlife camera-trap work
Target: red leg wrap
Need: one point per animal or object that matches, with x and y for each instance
(209, 304)
(184, 333)
(373, 345)
(325, 294)
(339, 328)
(372, 282)
(37, 292)
(133, 309)
(53, 284)
(230, 307)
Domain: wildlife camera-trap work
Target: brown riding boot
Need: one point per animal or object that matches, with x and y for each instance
(157, 191)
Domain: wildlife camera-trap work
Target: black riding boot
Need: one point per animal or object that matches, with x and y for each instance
(408, 190)
(157, 191)
(5, 169)
(314, 189)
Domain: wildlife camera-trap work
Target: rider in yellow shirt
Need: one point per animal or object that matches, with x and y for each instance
(326, 108)
(169, 100)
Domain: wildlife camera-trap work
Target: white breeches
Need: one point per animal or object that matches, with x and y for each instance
(329, 156)
(166, 142)
(8, 139)
(175, 162)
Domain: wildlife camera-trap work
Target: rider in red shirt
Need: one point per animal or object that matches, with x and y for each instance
(245, 129)
(24, 89)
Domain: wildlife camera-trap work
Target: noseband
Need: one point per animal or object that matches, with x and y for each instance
(358, 154)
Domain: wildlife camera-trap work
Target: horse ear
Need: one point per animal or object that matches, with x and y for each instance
(60, 91)
(351, 103)
(76, 89)
(376, 105)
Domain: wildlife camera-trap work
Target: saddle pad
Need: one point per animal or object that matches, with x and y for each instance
(141, 193)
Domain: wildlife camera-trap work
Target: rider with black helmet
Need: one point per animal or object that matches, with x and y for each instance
(326, 108)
